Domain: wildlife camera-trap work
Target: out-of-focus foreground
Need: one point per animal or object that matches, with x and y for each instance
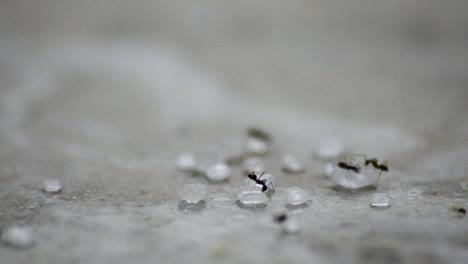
(103, 95)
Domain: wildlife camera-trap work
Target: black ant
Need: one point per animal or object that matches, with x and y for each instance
(345, 166)
(375, 163)
(460, 211)
(290, 227)
(259, 134)
(259, 181)
(280, 218)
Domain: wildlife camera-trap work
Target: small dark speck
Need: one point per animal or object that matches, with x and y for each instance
(460, 211)
(281, 218)
(259, 134)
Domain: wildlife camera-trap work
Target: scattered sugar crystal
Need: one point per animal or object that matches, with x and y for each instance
(18, 237)
(220, 198)
(380, 201)
(52, 186)
(372, 174)
(186, 162)
(368, 176)
(464, 185)
(330, 148)
(253, 164)
(458, 195)
(296, 196)
(291, 227)
(269, 178)
(218, 172)
(291, 164)
(192, 193)
(256, 146)
(414, 193)
(252, 197)
(328, 168)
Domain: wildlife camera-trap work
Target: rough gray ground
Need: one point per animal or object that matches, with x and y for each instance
(104, 95)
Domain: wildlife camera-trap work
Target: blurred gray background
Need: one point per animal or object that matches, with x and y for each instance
(104, 95)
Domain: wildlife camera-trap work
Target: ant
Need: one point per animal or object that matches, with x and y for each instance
(258, 181)
(280, 218)
(346, 166)
(375, 163)
(460, 211)
(258, 134)
(287, 226)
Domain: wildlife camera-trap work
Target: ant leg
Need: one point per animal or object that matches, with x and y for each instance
(271, 187)
(385, 163)
(353, 161)
(261, 175)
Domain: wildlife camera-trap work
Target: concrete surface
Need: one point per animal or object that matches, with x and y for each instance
(104, 95)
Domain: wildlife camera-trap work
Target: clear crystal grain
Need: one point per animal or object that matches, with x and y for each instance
(296, 196)
(253, 164)
(186, 162)
(52, 186)
(193, 193)
(18, 236)
(251, 197)
(291, 227)
(290, 163)
(218, 172)
(329, 148)
(368, 176)
(256, 146)
(328, 169)
(380, 200)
